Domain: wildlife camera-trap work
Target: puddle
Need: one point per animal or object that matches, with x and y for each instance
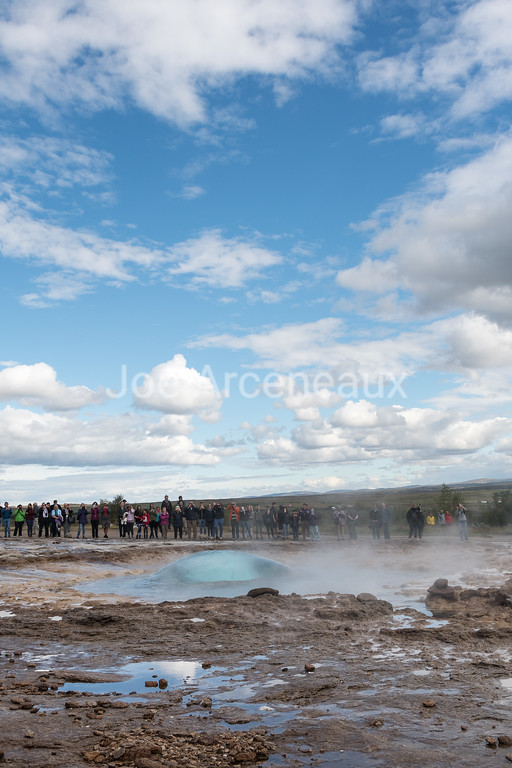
(6, 614)
(177, 674)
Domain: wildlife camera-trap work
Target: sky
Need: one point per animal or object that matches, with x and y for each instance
(253, 246)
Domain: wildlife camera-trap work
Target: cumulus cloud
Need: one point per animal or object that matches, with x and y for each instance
(174, 388)
(217, 262)
(469, 61)
(361, 431)
(62, 440)
(37, 385)
(449, 244)
(162, 56)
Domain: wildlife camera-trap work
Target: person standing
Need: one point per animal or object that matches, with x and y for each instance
(462, 522)
(314, 520)
(295, 524)
(153, 525)
(81, 517)
(375, 522)
(201, 518)
(105, 519)
(352, 518)
(258, 522)
(270, 522)
(164, 522)
(209, 520)
(234, 519)
(415, 519)
(56, 519)
(191, 516)
(286, 523)
(304, 521)
(19, 519)
(29, 517)
(66, 520)
(43, 520)
(120, 517)
(218, 521)
(385, 516)
(177, 521)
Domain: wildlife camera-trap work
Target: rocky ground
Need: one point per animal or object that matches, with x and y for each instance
(287, 680)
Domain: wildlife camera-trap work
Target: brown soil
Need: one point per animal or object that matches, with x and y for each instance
(384, 688)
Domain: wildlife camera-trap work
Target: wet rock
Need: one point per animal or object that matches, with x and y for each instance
(507, 757)
(151, 684)
(309, 667)
(504, 740)
(429, 703)
(206, 665)
(440, 588)
(492, 741)
(29, 734)
(162, 683)
(118, 753)
(366, 597)
(233, 715)
(206, 702)
(259, 591)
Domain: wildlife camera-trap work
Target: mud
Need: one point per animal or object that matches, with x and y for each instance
(370, 677)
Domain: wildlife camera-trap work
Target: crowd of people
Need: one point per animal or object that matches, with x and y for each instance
(417, 520)
(192, 520)
(180, 519)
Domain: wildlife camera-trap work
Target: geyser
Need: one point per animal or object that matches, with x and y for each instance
(214, 567)
(222, 573)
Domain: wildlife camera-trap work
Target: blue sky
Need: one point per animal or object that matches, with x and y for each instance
(253, 247)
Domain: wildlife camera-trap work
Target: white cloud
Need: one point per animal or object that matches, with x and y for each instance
(173, 388)
(50, 439)
(362, 432)
(284, 348)
(449, 242)
(402, 126)
(213, 261)
(191, 191)
(53, 163)
(37, 385)
(164, 56)
(81, 258)
(23, 236)
(324, 484)
(469, 62)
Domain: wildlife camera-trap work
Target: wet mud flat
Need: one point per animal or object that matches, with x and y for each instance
(286, 680)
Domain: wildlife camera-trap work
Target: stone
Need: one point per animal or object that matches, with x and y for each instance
(504, 740)
(429, 703)
(309, 667)
(151, 684)
(162, 683)
(259, 591)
